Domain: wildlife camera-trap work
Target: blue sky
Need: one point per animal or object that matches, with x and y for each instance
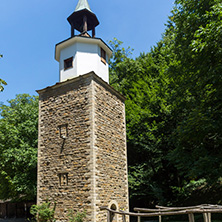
(31, 28)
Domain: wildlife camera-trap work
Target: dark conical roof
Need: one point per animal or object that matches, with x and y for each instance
(76, 18)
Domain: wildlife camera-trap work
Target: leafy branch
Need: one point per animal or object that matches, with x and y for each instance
(2, 82)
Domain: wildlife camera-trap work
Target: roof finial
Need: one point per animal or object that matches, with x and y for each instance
(82, 4)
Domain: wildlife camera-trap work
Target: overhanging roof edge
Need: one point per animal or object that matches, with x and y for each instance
(75, 39)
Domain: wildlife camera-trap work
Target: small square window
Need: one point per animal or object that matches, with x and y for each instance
(103, 55)
(63, 179)
(63, 131)
(68, 63)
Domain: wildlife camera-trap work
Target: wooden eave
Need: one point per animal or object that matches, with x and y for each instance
(82, 39)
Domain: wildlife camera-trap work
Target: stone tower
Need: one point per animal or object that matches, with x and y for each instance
(82, 160)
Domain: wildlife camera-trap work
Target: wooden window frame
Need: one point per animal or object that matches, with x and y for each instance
(67, 62)
(103, 55)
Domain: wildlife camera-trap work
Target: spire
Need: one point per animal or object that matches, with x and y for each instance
(82, 4)
(83, 19)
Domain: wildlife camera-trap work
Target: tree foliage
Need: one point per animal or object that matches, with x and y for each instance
(18, 148)
(173, 106)
(143, 82)
(2, 82)
(197, 81)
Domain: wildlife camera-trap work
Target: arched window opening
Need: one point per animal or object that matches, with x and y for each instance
(113, 207)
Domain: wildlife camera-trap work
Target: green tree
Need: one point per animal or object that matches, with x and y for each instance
(196, 80)
(144, 84)
(18, 148)
(173, 106)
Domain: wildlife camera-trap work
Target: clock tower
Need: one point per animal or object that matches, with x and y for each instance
(82, 156)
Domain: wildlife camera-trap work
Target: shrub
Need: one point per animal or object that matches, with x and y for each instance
(43, 212)
(76, 217)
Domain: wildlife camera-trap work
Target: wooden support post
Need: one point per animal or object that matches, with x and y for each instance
(25, 209)
(84, 24)
(109, 216)
(160, 218)
(93, 32)
(209, 217)
(191, 217)
(138, 218)
(7, 210)
(205, 216)
(72, 31)
(16, 210)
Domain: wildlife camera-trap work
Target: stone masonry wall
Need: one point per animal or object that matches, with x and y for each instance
(111, 157)
(82, 162)
(64, 164)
